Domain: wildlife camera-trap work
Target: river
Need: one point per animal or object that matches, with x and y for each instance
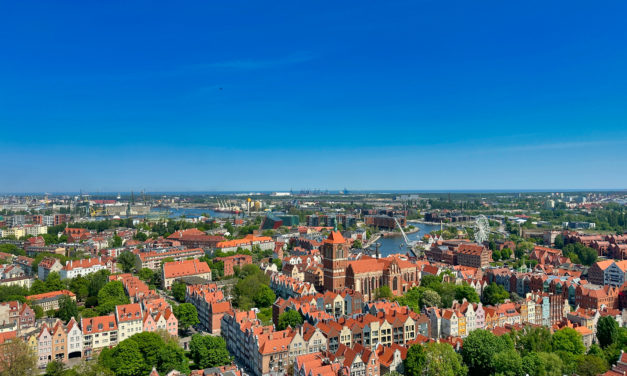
(392, 244)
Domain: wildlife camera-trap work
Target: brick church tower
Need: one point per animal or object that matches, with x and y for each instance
(334, 262)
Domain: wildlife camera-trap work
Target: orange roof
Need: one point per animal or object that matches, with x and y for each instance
(583, 330)
(128, 312)
(335, 237)
(51, 294)
(604, 264)
(48, 262)
(183, 233)
(85, 263)
(185, 268)
(99, 324)
(221, 307)
(144, 255)
(7, 335)
(248, 239)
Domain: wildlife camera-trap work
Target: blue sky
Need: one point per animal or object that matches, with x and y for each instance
(277, 95)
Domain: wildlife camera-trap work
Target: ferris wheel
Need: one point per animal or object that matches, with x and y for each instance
(482, 228)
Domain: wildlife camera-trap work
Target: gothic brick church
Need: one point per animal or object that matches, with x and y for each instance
(366, 274)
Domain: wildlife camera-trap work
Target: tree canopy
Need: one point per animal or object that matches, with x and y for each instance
(607, 331)
(136, 355)
(291, 318)
(209, 351)
(109, 296)
(187, 315)
(479, 349)
(494, 294)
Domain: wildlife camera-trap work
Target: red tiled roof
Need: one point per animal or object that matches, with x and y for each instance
(98, 324)
(185, 268)
(128, 312)
(335, 237)
(51, 294)
(246, 240)
(85, 263)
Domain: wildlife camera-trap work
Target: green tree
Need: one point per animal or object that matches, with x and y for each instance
(97, 281)
(127, 260)
(54, 283)
(145, 274)
(17, 359)
(479, 349)
(291, 318)
(569, 341)
(115, 242)
(591, 365)
(534, 339)
(125, 359)
(542, 364)
(507, 363)
(148, 349)
(67, 309)
(441, 359)
(431, 298)
(411, 299)
(465, 291)
(383, 292)
(111, 295)
(55, 368)
(209, 351)
(140, 236)
(187, 315)
(494, 294)
(39, 312)
(506, 253)
(178, 291)
(80, 286)
(264, 297)
(357, 244)
(607, 330)
(88, 312)
(559, 241)
(415, 361)
(85, 368)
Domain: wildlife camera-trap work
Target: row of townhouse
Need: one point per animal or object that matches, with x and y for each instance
(210, 304)
(61, 342)
(462, 318)
(18, 314)
(608, 272)
(153, 259)
(57, 342)
(156, 313)
(21, 231)
(346, 361)
(609, 245)
(397, 326)
(74, 268)
(285, 286)
(264, 351)
(320, 306)
(588, 318)
(77, 268)
(577, 291)
(247, 243)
